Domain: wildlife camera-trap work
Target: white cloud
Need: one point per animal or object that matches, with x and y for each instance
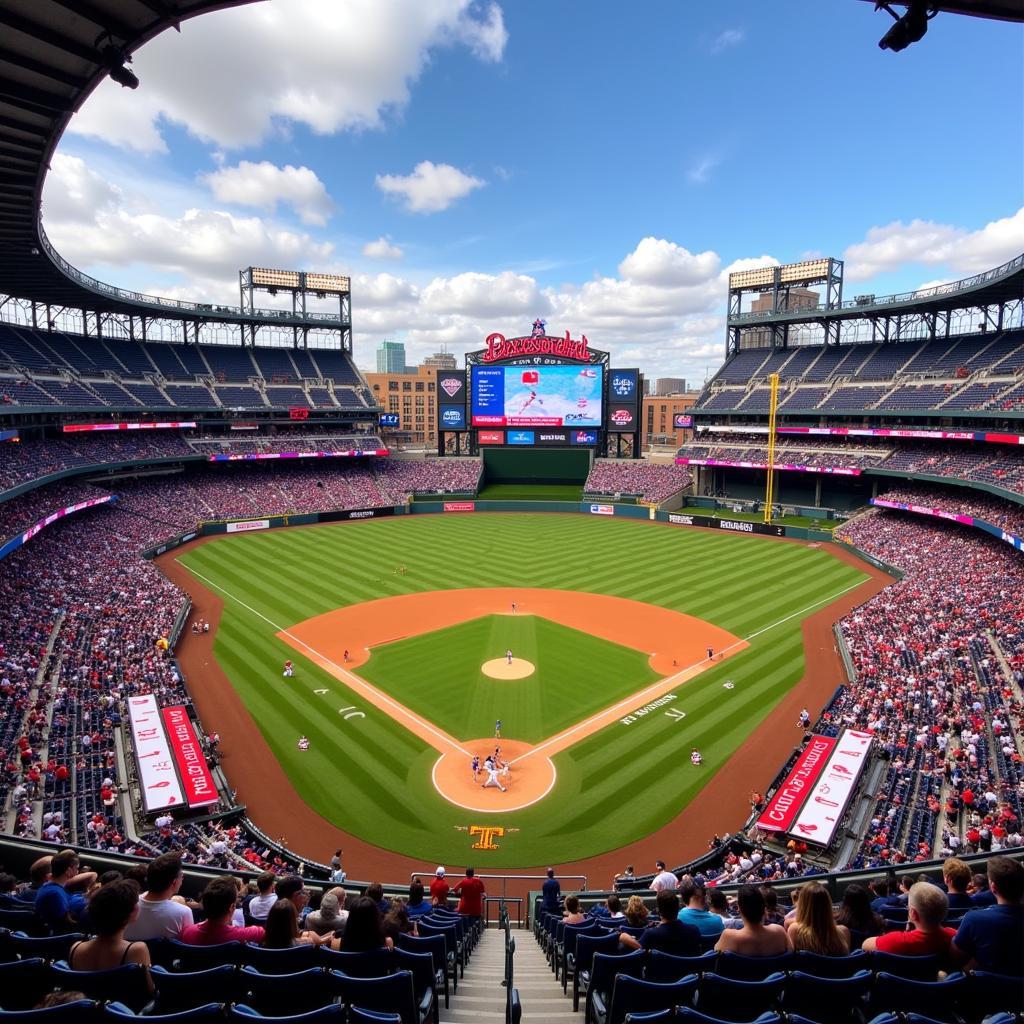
(430, 188)
(329, 66)
(962, 250)
(264, 185)
(660, 262)
(485, 295)
(726, 39)
(382, 249)
(699, 172)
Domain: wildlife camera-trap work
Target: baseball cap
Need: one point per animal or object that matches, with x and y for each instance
(439, 871)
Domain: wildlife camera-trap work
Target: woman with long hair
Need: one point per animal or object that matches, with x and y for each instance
(397, 921)
(856, 913)
(814, 927)
(364, 929)
(281, 928)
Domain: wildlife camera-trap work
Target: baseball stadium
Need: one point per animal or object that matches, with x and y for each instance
(462, 692)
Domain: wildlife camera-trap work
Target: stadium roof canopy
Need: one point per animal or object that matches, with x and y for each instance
(53, 53)
(1003, 10)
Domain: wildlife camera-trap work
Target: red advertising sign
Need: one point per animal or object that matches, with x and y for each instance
(196, 780)
(491, 437)
(785, 805)
(459, 506)
(499, 347)
(77, 428)
(298, 412)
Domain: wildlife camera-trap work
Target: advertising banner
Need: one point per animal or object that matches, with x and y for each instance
(389, 419)
(521, 437)
(8, 435)
(602, 510)
(682, 420)
(24, 538)
(345, 514)
(780, 812)
(552, 437)
(157, 778)
(828, 470)
(451, 387)
(354, 453)
(197, 782)
(77, 428)
(583, 437)
(828, 798)
(248, 525)
(946, 435)
(733, 525)
(491, 437)
(622, 419)
(459, 506)
(623, 386)
(956, 517)
(452, 417)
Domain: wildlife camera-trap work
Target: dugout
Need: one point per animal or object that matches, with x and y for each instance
(536, 465)
(814, 490)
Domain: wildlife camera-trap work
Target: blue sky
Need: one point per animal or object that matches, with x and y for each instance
(601, 165)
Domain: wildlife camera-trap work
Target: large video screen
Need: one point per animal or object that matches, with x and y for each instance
(537, 396)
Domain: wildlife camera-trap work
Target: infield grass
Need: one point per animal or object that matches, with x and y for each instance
(372, 777)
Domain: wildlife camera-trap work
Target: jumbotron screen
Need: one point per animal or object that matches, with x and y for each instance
(537, 396)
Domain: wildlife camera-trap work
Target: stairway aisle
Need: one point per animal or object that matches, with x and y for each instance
(481, 996)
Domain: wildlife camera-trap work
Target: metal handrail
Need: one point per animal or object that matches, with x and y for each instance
(179, 305)
(951, 288)
(506, 878)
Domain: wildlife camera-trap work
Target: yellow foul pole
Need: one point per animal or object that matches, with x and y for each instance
(769, 491)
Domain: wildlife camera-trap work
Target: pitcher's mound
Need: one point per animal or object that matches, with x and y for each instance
(500, 668)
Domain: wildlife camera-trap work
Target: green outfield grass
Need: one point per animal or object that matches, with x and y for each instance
(372, 777)
(810, 522)
(575, 676)
(531, 492)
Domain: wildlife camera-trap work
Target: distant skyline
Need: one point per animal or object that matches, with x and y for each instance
(474, 165)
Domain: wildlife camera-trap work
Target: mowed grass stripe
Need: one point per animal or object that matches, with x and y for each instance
(372, 776)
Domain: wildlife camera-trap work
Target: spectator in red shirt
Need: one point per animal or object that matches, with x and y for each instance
(439, 889)
(219, 898)
(470, 891)
(928, 906)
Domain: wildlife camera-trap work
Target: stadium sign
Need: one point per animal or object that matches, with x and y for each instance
(500, 348)
(733, 525)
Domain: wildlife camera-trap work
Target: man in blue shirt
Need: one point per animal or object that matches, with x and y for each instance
(551, 892)
(993, 939)
(57, 907)
(670, 935)
(695, 910)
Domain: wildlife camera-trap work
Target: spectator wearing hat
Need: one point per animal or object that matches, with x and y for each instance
(439, 888)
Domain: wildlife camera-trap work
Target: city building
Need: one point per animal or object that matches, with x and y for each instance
(441, 361)
(660, 419)
(670, 386)
(413, 396)
(391, 357)
(761, 337)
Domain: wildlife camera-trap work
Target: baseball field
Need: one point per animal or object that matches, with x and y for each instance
(407, 651)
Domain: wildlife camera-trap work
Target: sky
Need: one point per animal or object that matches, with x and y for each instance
(604, 166)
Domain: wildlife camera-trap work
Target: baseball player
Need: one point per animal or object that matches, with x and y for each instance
(492, 775)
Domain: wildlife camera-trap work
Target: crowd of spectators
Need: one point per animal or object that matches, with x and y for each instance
(654, 483)
(930, 687)
(18, 514)
(1007, 515)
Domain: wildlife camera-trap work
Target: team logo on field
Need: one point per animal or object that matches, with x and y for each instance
(451, 386)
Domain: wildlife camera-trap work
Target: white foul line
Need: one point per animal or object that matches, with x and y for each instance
(637, 698)
(344, 674)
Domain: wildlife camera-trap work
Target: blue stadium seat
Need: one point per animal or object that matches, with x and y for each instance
(127, 984)
(393, 993)
(198, 958)
(917, 968)
(22, 921)
(655, 1017)
(994, 993)
(686, 1013)
(586, 947)
(280, 994)
(736, 1000)
(435, 946)
(281, 961)
(603, 973)
(373, 963)
(49, 947)
(666, 967)
(357, 1015)
(182, 990)
(904, 995)
(206, 1013)
(23, 983)
(822, 966)
(827, 1000)
(332, 1014)
(424, 982)
(566, 953)
(751, 968)
(634, 995)
(81, 1011)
